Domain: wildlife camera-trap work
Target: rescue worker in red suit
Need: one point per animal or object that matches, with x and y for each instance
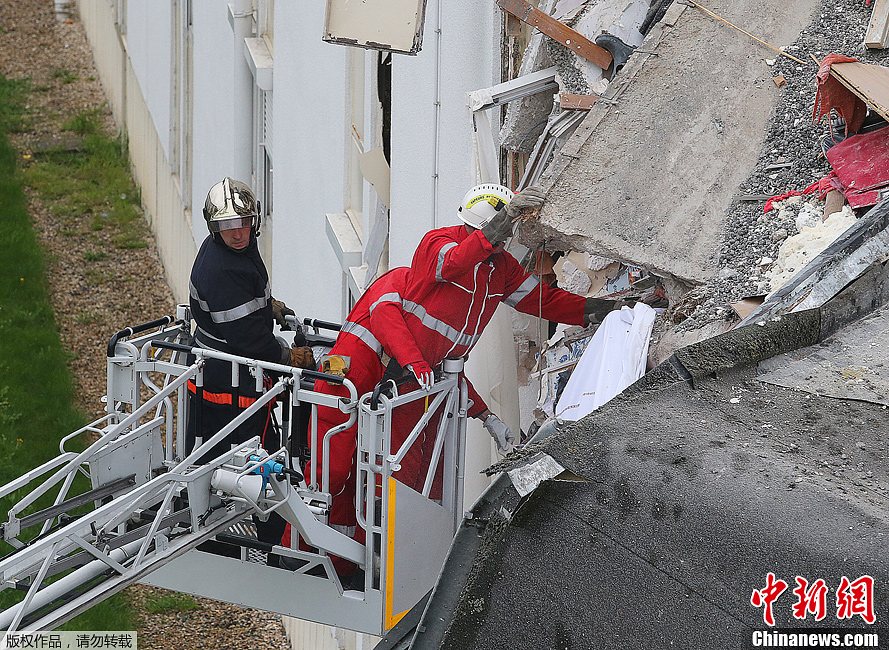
(438, 309)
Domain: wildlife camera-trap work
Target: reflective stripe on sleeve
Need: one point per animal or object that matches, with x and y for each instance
(523, 290)
(386, 297)
(364, 334)
(193, 292)
(441, 257)
(453, 335)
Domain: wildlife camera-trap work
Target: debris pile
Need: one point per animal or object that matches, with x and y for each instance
(828, 160)
(610, 31)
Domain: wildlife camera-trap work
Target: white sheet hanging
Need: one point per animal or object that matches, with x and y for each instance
(614, 359)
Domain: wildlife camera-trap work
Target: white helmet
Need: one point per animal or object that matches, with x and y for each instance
(481, 203)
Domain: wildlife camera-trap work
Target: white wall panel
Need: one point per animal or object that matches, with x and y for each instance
(149, 44)
(466, 63)
(214, 55)
(98, 22)
(309, 130)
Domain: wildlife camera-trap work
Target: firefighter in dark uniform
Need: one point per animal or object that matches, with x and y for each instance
(235, 313)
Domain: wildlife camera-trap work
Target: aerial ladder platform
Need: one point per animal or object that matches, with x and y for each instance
(136, 506)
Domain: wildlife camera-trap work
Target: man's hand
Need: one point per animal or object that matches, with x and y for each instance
(529, 199)
(500, 432)
(279, 311)
(499, 229)
(302, 357)
(596, 309)
(423, 373)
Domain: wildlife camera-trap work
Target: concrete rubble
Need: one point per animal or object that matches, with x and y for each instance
(671, 171)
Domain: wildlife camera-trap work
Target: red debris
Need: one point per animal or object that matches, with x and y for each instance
(780, 197)
(861, 166)
(834, 95)
(822, 186)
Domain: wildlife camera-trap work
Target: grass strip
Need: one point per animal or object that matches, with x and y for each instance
(36, 387)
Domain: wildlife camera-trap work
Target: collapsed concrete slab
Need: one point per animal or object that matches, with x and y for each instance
(649, 175)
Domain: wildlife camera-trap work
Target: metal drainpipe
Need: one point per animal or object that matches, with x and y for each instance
(437, 113)
(63, 9)
(242, 86)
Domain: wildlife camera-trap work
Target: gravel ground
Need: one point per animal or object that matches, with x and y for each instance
(125, 289)
(751, 235)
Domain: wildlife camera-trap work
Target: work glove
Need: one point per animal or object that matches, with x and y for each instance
(500, 432)
(499, 229)
(596, 309)
(279, 311)
(423, 373)
(529, 199)
(302, 357)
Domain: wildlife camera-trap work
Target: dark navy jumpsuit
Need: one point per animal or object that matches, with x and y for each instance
(231, 303)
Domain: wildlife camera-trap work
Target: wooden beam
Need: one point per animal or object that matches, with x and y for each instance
(869, 82)
(877, 35)
(573, 40)
(570, 101)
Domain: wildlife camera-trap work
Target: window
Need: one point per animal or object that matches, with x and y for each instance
(260, 57)
(262, 173)
(359, 235)
(265, 22)
(180, 98)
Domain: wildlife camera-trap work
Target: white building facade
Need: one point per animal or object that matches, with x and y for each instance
(352, 169)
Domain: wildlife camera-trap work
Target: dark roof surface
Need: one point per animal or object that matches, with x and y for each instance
(688, 501)
(680, 496)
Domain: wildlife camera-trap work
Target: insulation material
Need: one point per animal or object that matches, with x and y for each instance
(568, 9)
(621, 18)
(575, 280)
(814, 236)
(614, 359)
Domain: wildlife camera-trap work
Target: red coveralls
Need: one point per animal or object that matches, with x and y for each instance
(436, 309)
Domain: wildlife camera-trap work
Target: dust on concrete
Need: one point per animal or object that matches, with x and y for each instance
(750, 234)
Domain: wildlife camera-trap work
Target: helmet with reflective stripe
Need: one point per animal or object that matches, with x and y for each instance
(231, 204)
(482, 202)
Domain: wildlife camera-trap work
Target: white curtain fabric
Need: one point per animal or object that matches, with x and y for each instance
(614, 359)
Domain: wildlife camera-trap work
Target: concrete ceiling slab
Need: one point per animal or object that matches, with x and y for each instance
(649, 177)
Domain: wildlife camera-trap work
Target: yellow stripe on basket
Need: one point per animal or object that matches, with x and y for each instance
(390, 618)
